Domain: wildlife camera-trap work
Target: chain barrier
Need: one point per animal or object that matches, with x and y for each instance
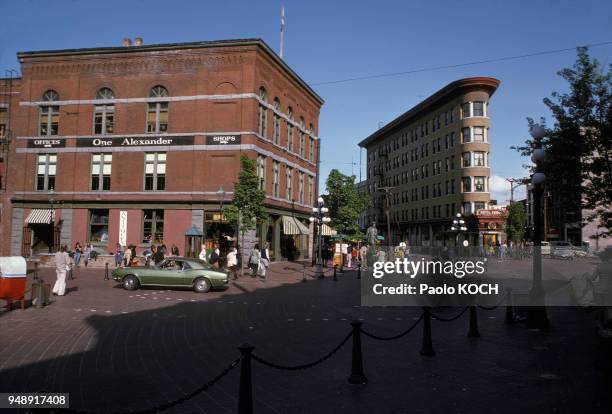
(176, 402)
(304, 366)
(433, 315)
(391, 338)
(501, 302)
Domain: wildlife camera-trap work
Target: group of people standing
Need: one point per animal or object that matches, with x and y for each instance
(258, 262)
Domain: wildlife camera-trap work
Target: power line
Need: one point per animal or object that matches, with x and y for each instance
(458, 65)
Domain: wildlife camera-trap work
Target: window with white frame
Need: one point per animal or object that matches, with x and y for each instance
(275, 178)
(104, 113)
(153, 226)
(479, 134)
(98, 226)
(479, 184)
(46, 169)
(290, 129)
(479, 108)
(157, 112)
(467, 134)
(466, 159)
(466, 184)
(101, 165)
(261, 172)
(3, 122)
(301, 188)
(479, 159)
(479, 205)
(155, 171)
(288, 182)
(276, 125)
(311, 194)
(467, 208)
(466, 109)
(49, 114)
(301, 137)
(262, 118)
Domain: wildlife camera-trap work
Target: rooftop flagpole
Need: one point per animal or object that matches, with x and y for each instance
(282, 31)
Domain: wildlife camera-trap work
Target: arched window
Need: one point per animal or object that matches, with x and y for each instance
(290, 129)
(157, 112)
(104, 113)
(276, 126)
(262, 118)
(311, 142)
(301, 135)
(49, 114)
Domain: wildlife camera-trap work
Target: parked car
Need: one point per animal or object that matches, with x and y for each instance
(545, 248)
(562, 250)
(173, 272)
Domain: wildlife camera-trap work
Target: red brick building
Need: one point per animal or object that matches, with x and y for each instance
(137, 144)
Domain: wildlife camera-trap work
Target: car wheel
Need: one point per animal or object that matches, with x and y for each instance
(130, 282)
(202, 285)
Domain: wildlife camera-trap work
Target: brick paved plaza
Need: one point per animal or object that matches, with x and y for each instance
(115, 350)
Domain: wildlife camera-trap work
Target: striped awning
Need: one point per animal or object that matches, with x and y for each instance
(291, 225)
(328, 231)
(40, 216)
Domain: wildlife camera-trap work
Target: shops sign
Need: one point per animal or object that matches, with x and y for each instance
(154, 141)
(223, 139)
(47, 143)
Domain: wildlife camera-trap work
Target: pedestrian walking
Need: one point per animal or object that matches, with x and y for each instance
(62, 266)
(265, 259)
(363, 254)
(202, 255)
(232, 262)
(214, 256)
(78, 252)
(118, 256)
(127, 257)
(254, 259)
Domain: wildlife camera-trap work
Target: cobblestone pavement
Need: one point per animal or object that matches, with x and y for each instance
(115, 350)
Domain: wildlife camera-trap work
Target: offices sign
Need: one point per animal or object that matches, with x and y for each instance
(154, 141)
(47, 143)
(223, 139)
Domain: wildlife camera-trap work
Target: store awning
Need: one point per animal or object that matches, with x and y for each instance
(40, 216)
(328, 231)
(291, 225)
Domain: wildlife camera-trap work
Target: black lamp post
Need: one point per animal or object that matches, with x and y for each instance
(318, 218)
(52, 201)
(536, 313)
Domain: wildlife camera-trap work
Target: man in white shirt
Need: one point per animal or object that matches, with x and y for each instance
(62, 265)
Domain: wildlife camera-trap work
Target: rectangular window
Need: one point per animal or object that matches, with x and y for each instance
(46, 168)
(467, 135)
(452, 139)
(289, 136)
(453, 187)
(155, 171)
(288, 181)
(447, 165)
(276, 130)
(479, 184)
(466, 159)
(49, 120)
(479, 108)
(157, 117)
(465, 109)
(479, 159)
(311, 193)
(153, 226)
(261, 172)
(479, 134)
(311, 150)
(467, 208)
(275, 178)
(3, 122)
(104, 119)
(301, 137)
(262, 120)
(98, 226)
(479, 205)
(466, 185)
(301, 188)
(101, 165)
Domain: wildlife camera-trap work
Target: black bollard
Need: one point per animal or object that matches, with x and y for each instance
(106, 271)
(357, 376)
(509, 308)
(427, 348)
(335, 277)
(473, 331)
(245, 393)
(359, 271)
(341, 267)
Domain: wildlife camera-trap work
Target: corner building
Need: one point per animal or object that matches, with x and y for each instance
(431, 163)
(138, 144)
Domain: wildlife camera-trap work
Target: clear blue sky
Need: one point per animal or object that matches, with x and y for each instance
(328, 40)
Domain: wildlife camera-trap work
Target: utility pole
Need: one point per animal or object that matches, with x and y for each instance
(519, 182)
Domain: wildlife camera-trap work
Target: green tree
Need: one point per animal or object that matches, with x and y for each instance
(248, 201)
(345, 203)
(578, 146)
(516, 221)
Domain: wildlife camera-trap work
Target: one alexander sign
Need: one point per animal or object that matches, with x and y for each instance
(152, 141)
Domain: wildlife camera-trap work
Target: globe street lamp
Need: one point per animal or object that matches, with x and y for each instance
(459, 227)
(536, 314)
(318, 218)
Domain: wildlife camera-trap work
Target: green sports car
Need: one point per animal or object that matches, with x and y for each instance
(173, 272)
